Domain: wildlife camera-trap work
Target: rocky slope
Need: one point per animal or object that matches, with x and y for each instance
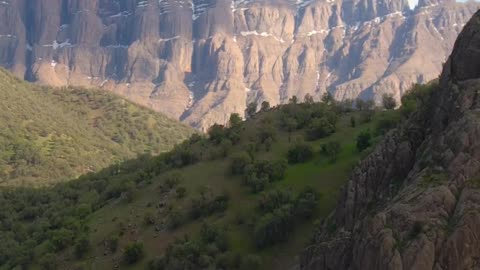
(200, 60)
(414, 202)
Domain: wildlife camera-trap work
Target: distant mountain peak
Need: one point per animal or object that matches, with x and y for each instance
(194, 59)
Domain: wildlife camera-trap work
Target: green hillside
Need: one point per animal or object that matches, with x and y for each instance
(49, 135)
(243, 197)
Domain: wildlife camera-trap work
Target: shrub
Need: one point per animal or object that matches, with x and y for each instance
(271, 200)
(367, 116)
(216, 133)
(274, 227)
(257, 175)
(239, 162)
(181, 192)
(61, 239)
(331, 149)
(293, 100)
(328, 99)
(133, 253)
(363, 105)
(82, 245)
(267, 132)
(235, 120)
(207, 204)
(251, 262)
(113, 243)
(300, 153)
(306, 203)
(265, 106)
(48, 262)
(251, 110)
(279, 211)
(149, 218)
(289, 124)
(308, 99)
(386, 123)
(320, 128)
(364, 140)
(175, 219)
(172, 179)
(389, 102)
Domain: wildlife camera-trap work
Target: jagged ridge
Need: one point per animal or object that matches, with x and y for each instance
(201, 60)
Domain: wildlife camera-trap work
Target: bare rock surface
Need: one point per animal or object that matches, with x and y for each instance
(414, 203)
(201, 60)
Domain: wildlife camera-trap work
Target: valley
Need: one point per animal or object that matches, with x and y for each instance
(156, 201)
(239, 135)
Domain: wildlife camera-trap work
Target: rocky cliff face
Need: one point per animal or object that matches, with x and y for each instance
(414, 203)
(200, 60)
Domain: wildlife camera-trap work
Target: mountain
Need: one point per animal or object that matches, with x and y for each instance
(414, 202)
(50, 135)
(201, 60)
(245, 197)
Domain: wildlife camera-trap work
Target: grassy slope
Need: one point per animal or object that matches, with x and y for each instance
(49, 135)
(319, 173)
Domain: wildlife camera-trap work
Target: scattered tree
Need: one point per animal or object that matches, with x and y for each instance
(363, 105)
(299, 153)
(216, 133)
(149, 218)
(181, 192)
(82, 246)
(133, 252)
(308, 99)
(364, 140)
(113, 243)
(389, 102)
(239, 163)
(328, 99)
(306, 203)
(293, 100)
(235, 120)
(251, 262)
(320, 128)
(251, 110)
(331, 149)
(265, 106)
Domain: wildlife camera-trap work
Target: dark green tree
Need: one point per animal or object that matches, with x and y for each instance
(216, 133)
(82, 246)
(235, 120)
(300, 153)
(251, 110)
(306, 203)
(293, 100)
(265, 106)
(389, 102)
(308, 99)
(133, 252)
(239, 163)
(328, 98)
(364, 140)
(320, 128)
(331, 149)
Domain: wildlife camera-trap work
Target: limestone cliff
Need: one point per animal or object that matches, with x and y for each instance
(414, 203)
(200, 60)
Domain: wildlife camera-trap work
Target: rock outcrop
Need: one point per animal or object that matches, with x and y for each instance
(414, 203)
(200, 60)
